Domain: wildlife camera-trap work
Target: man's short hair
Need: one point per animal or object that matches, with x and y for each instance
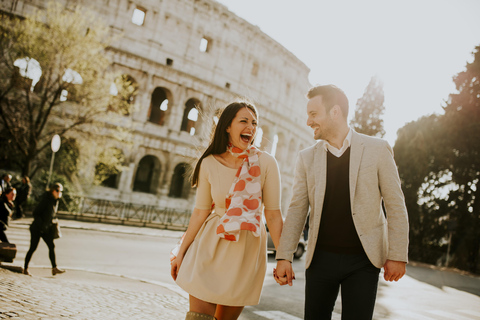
(331, 96)
(55, 187)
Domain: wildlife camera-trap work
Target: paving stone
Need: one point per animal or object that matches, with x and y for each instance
(43, 298)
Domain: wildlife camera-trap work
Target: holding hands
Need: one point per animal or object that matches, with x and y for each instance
(284, 274)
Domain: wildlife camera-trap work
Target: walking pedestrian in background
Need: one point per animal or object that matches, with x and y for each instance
(43, 226)
(6, 210)
(221, 262)
(24, 188)
(5, 182)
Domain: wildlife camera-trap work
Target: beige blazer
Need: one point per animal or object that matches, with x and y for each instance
(373, 177)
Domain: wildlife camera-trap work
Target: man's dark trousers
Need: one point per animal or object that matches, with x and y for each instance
(356, 276)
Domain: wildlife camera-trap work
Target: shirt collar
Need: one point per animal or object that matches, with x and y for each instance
(346, 143)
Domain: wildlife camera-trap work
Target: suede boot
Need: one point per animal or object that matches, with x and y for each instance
(198, 316)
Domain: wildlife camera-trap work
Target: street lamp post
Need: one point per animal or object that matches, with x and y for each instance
(55, 146)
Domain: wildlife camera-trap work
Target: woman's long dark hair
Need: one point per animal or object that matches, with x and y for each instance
(219, 141)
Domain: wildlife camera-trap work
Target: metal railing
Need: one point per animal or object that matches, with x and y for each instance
(101, 210)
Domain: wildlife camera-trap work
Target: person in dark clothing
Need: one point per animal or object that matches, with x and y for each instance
(6, 209)
(24, 188)
(41, 227)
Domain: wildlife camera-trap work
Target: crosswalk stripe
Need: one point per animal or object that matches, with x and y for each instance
(448, 315)
(409, 315)
(472, 313)
(276, 315)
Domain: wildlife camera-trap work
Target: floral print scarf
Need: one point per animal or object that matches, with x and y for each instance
(243, 202)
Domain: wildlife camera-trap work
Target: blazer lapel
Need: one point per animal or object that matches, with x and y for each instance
(320, 168)
(356, 152)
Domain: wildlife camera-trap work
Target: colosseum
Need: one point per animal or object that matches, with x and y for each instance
(189, 58)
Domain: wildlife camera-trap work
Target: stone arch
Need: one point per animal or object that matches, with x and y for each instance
(258, 137)
(292, 151)
(147, 175)
(191, 116)
(266, 143)
(281, 147)
(160, 106)
(108, 167)
(179, 185)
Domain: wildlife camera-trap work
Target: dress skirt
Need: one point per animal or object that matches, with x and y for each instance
(224, 272)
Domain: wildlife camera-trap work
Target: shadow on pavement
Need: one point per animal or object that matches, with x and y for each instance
(445, 278)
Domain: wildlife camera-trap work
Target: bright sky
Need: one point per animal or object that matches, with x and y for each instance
(414, 46)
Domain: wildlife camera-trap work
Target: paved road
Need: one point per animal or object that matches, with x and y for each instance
(143, 254)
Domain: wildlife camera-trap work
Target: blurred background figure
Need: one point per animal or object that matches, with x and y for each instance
(6, 210)
(5, 182)
(24, 189)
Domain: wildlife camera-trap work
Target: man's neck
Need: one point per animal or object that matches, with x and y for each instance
(339, 137)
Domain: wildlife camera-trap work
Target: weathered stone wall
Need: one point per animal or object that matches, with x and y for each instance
(163, 52)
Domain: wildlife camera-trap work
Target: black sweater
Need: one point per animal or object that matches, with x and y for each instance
(337, 232)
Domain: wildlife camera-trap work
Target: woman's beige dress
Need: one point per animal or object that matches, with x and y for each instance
(221, 271)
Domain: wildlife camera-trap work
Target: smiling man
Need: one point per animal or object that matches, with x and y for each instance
(343, 180)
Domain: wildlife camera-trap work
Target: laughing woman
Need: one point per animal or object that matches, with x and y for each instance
(221, 262)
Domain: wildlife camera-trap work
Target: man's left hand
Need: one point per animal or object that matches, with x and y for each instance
(394, 270)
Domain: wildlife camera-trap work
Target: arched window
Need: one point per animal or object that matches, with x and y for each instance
(190, 116)
(109, 167)
(158, 106)
(265, 144)
(258, 137)
(281, 147)
(274, 145)
(147, 175)
(179, 187)
(292, 151)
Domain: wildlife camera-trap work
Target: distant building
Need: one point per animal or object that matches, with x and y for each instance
(189, 58)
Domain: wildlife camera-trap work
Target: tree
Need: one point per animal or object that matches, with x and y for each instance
(54, 79)
(462, 128)
(418, 158)
(438, 163)
(369, 110)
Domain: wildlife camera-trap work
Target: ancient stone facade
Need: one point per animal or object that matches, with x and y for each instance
(190, 58)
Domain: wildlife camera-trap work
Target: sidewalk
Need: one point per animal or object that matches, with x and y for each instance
(80, 294)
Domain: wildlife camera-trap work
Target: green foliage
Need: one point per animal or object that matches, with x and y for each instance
(109, 165)
(369, 110)
(54, 79)
(127, 91)
(438, 161)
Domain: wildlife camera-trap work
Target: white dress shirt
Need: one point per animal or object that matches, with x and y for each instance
(338, 152)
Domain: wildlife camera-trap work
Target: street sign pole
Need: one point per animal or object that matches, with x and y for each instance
(55, 146)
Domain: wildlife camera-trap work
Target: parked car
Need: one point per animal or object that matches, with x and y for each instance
(302, 246)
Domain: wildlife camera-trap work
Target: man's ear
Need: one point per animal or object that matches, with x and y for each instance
(335, 111)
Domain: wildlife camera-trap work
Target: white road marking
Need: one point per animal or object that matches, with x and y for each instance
(449, 315)
(409, 315)
(276, 315)
(472, 313)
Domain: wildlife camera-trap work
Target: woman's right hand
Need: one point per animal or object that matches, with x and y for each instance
(175, 266)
